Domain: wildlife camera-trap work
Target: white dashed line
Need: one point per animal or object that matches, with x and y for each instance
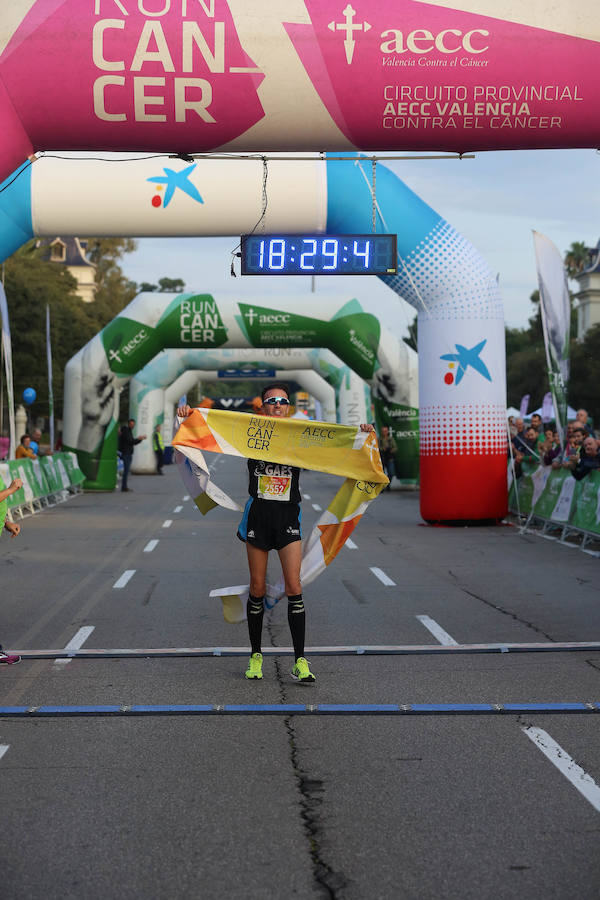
(74, 644)
(127, 574)
(350, 544)
(437, 631)
(3, 749)
(167, 523)
(317, 507)
(187, 497)
(584, 783)
(385, 579)
(178, 509)
(150, 546)
(306, 496)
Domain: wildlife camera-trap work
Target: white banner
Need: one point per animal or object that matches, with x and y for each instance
(7, 348)
(50, 388)
(555, 308)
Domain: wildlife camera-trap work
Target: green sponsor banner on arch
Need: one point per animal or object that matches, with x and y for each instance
(192, 320)
(354, 337)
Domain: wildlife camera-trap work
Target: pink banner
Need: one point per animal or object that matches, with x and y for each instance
(191, 75)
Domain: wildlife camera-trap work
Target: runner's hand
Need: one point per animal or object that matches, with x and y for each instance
(15, 485)
(366, 427)
(12, 528)
(184, 411)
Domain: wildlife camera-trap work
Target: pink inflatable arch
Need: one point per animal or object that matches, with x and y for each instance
(195, 75)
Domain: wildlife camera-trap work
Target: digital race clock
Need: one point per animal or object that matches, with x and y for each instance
(318, 254)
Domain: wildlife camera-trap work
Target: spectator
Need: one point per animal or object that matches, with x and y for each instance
(519, 438)
(570, 457)
(536, 422)
(588, 460)
(35, 442)
(126, 444)
(582, 418)
(388, 449)
(512, 428)
(159, 449)
(13, 529)
(528, 451)
(24, 450)
(551, 447)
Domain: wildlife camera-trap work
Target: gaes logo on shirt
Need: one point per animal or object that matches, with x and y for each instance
(462, 359)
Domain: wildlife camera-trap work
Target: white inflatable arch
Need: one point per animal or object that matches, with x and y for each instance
(462, 377)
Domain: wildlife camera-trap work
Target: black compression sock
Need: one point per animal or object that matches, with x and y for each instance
(297, 623)
(255, 610)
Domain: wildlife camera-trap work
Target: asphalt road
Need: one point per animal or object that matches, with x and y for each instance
(280, 806)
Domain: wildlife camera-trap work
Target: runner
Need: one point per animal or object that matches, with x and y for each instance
(271, 521)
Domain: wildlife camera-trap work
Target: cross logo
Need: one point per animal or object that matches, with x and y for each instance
(348, 27)
(112, 355)
(251, 316)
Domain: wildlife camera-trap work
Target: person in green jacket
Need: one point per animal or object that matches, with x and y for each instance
(13, 529)
(158, 446)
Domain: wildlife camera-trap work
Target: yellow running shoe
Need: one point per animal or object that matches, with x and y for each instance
(254, 669)
(301, 672)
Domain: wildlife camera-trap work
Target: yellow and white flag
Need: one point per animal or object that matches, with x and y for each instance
(335, 449)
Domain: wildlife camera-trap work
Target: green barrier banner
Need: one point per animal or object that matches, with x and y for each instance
(51, 477)
(586, 507)
(556, 498)
(3, 505)
(21, 468)
(74, 473)
(39, 482)
(522, 491)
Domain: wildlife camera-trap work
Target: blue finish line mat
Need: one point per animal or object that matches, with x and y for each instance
(354, 650)
(300, 709)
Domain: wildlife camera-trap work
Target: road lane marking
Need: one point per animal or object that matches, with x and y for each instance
(350, 544)
(385, 579)
(3, 749)
(167, 523)
(187, 497)
(306, 496)
(437, 631)
(150, 546)
(75, 644)
(178, 509)
(580, 780)
(122, 581)
(317, 507)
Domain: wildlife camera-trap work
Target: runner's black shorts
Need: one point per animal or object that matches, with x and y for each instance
(270, 524)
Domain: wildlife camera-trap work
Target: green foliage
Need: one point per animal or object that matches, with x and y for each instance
(147, 288)
(171, 285)
(30, 284)
(413, 334)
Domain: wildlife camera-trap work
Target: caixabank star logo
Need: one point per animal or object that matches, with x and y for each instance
(171, 181)
(462, 360)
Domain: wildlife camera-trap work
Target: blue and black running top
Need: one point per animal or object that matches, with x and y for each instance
(273, 481)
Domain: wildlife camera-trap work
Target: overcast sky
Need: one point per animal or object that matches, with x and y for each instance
(494, 200)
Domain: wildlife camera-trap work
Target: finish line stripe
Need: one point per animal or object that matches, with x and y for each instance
(373, 650)
(288, 709)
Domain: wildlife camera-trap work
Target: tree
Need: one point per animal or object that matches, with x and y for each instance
(146, 288)
(576, 258)
(30, 284)
(413, 334)
(171, 285)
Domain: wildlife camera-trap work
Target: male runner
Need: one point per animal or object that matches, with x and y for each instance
(271, 521)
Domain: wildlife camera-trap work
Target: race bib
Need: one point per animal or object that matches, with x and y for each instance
(274, 487)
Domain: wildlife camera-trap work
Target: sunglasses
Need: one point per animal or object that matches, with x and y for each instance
(271, 401)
